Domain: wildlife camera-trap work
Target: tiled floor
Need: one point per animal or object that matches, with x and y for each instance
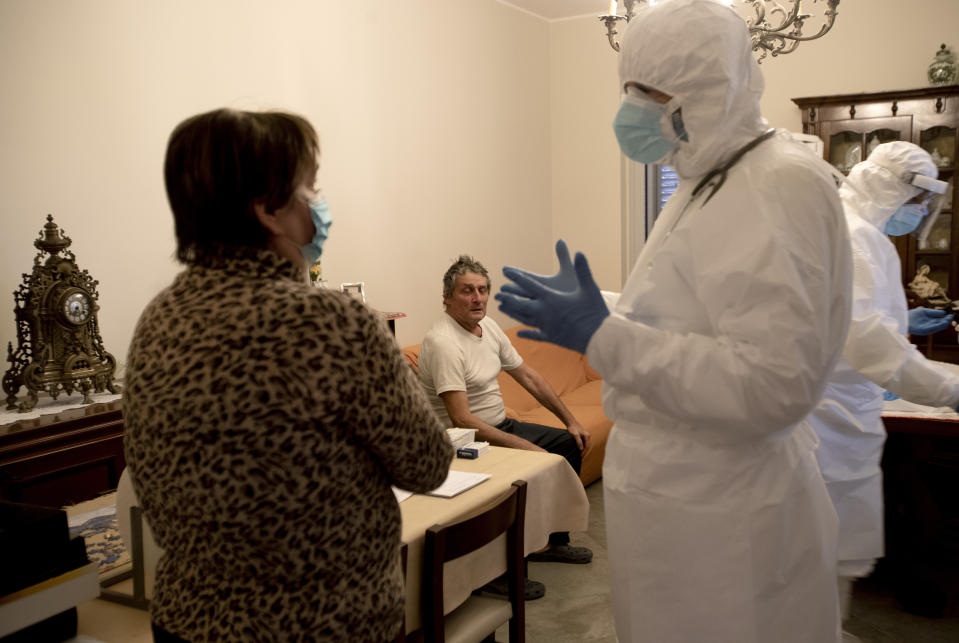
(105, 622)
(577, 609)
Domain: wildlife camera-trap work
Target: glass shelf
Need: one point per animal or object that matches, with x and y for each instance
(939, 239)
(845, 150)
(878, 137)
(940, 141)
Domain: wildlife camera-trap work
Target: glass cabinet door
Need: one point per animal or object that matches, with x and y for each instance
(936, 251)
(845, 149)
(880, 136)
(940, 142)
(848, 142)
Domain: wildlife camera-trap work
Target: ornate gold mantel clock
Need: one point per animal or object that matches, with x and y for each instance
(58, 339)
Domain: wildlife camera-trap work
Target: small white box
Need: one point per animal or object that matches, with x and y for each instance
(460, 437)
(481, 447)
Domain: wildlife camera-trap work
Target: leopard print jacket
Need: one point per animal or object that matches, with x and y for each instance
(265, 422)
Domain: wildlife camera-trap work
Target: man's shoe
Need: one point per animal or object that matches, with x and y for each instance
(562, 554)
(499, 587)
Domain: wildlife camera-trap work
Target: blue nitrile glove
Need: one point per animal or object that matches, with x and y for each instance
(926, 321)
(889, 397)
(568, 319)
(563, 281)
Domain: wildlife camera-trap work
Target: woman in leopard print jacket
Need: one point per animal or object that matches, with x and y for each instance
(266, 419)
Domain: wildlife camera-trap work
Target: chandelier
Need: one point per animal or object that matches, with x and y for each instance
(775, 26)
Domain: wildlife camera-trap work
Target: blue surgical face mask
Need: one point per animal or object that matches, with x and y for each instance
(638, 129)
(320, 215)
(906, 219)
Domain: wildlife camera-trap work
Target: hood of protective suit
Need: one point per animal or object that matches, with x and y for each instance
(876, 187)
(699, 52)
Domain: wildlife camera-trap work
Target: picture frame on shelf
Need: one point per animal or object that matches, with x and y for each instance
(355, 290)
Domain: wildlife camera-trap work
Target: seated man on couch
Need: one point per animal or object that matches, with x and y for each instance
(460, 359)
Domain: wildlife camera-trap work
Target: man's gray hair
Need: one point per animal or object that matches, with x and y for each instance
(461, 266)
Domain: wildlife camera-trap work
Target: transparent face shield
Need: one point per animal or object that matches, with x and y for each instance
(933, 195)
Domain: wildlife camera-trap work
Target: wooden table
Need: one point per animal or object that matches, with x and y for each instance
(556, 501)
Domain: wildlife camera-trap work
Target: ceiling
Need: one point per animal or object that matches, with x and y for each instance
(553, 9)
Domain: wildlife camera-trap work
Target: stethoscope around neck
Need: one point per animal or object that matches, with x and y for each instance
(722, 171)
(715, 178)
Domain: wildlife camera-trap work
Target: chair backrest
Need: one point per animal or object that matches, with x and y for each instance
(448, 542)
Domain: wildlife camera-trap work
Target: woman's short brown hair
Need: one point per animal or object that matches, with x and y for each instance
(219, 164)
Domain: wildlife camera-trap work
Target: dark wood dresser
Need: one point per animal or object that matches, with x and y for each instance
(62, 458)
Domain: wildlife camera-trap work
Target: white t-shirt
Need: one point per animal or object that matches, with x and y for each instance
(453, 359)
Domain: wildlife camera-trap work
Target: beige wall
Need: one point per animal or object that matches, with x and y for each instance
(584, 97)
(433, 117)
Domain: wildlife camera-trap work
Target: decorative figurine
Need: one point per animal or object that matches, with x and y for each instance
(928, 292)
(58, 339)
(942, 71)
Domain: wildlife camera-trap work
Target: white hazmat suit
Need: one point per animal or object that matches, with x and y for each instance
(718, 522)
(877, 355)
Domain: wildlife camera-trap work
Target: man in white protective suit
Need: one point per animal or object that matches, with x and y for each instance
(887, 194)
(719, 525)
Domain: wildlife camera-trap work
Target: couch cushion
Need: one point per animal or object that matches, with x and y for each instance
(592, 418)
(589, 394)
(562, 368)
(412, 355)
(591, 373)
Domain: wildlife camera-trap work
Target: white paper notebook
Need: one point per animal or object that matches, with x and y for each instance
(401, 494)
(457, 482)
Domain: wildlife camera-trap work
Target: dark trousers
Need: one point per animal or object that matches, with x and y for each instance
(160, 635)
(554, 440)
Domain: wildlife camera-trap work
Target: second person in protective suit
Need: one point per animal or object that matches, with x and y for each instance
(887, 194)
(719, 525)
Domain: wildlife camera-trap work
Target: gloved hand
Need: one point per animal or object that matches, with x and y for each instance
(563, 281)
(889, 397)
(926, 321)
(567, 318)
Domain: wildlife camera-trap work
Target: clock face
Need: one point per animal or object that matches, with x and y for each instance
(77, 307)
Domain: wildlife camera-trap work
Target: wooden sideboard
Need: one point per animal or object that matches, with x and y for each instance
(63, 458)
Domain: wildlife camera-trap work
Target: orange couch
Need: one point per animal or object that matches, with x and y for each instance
(576, 383)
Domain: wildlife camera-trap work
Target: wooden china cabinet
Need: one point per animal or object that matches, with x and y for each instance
(851, 125)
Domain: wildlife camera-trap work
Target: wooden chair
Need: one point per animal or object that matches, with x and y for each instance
(477, 618)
